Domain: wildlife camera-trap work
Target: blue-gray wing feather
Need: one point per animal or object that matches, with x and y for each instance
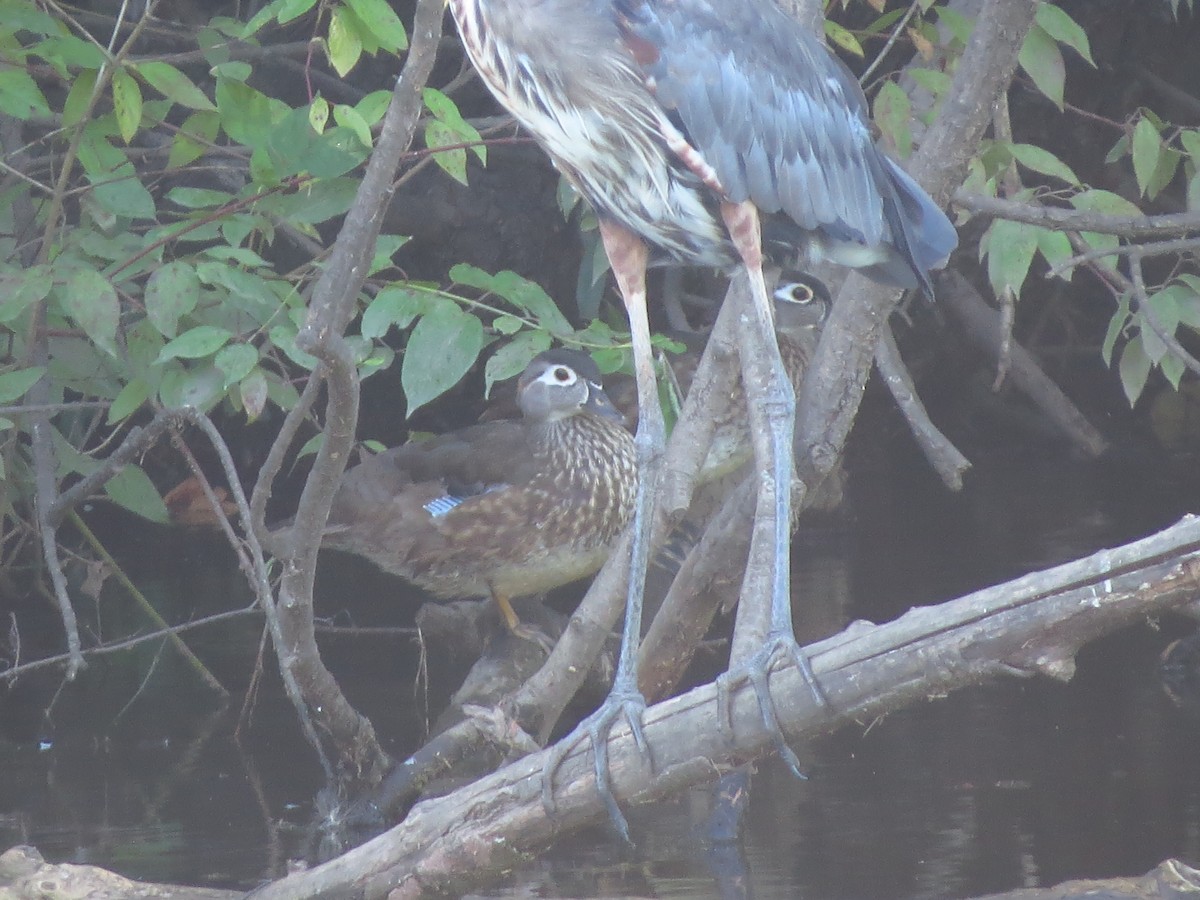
(783, 124)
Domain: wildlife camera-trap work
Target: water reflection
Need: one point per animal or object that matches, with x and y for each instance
(1007, 785)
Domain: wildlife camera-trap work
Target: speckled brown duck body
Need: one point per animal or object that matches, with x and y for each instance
(505, 508)
(802, 305)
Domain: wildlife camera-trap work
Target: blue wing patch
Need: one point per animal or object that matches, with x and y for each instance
(439, 506)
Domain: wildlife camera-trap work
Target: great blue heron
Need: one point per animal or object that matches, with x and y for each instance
(696, 128)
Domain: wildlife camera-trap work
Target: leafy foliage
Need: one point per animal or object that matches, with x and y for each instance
(169, 247)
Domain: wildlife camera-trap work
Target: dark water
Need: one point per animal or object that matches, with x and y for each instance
(1018, 783)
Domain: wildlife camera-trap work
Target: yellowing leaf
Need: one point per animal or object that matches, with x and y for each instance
(127, 104)
(344, 45)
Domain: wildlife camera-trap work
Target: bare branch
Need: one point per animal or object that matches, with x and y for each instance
(1132, 227)
(1159, 248)
(946, 459)
(1033, 624)
(982, 325)
(831, 392)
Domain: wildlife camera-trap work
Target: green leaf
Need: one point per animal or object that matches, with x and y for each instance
(91, 301)
(1010, 250)
(173, 84)
(127, 104)
(172, 291)
(1190, 139)
(349, 117)
(1134, 369)
(20, 97)
(529, 295)
(443, 346)
(1119, 150)
(253, 392)
(21, 289)
(133, 489)
(1147, 147)
(202, 340)
(386, 246)
(1189, 303)
(1056, 248)
(284, 337)
(932, 80)
(316, 202)
(1064, 29)
(1172, 368)
(1043, 161)
(79, 97)
(294, 147)
(452, 162)
(959, 25)
(472, 276)
(22, 16)
(116, 187)
(294, 9)
(446, 110)
(383, 23)
(893, 115)
(13, 385)
(193, 139)
(841, 36)
(1116, 327)
(1152, 345)
(129, 400)
(344, 46)
(200, 387)
(1168, 162)
(507, 324)
(318, 114)
(394, 305)
(266, 14)
(513, 357)
(373, 106)
(1096, 200)
(236, 361)
(1042, 61)
(245, 112)
(1165, 305)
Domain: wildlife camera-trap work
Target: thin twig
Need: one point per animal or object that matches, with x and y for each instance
(1160, 248)
(1150, 317)
(147, 607)
(1130, 227)
(126, 644)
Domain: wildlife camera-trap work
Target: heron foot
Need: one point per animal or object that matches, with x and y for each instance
(756, 670)
(621, 703)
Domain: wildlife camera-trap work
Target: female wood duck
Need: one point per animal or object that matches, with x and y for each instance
(802, 305)
(503, 508)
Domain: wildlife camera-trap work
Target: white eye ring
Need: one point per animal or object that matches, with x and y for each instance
(795, 292)
(559, 376)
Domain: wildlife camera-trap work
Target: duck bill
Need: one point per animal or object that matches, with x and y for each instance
(599, 405)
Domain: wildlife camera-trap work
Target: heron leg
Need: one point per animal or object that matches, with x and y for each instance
(772, 406)
(627, 254)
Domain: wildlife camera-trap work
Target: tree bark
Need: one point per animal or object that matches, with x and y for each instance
(1034, 624)
(351, 737)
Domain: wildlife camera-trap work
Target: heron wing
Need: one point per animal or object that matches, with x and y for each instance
(780, 120)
